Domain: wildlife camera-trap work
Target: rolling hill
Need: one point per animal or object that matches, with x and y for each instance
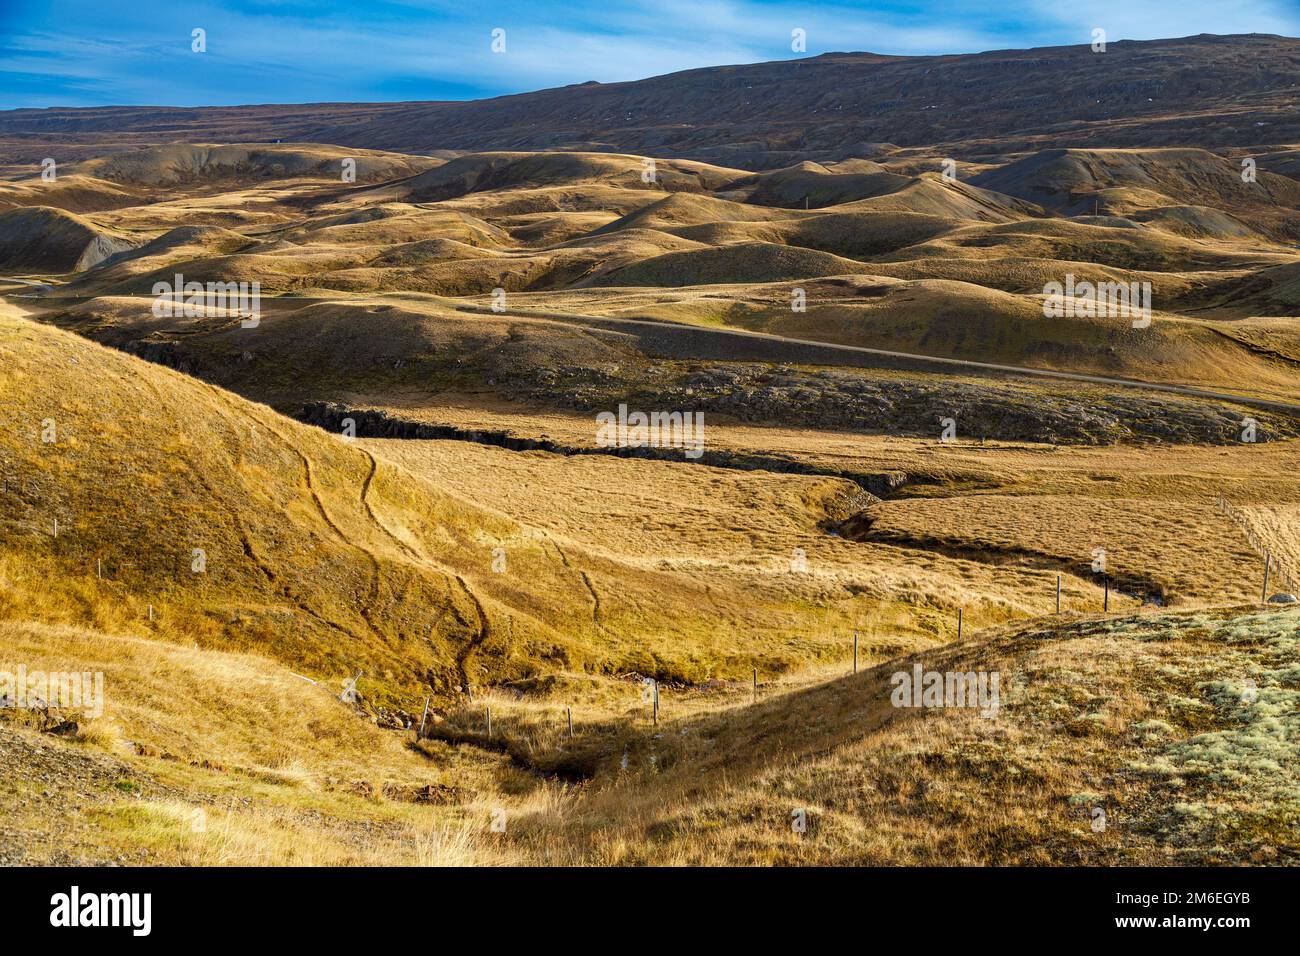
(1178, 92)
(391, 474)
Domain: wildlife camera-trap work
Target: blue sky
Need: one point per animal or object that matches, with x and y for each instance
(131, 52)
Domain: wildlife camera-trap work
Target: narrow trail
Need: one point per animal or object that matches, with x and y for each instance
(483, 629)
(246, 542)
(740, 335)
(309, 483)
(484, 633)
(379, 522)
(564, 558)
(596, 609)
(595, 601)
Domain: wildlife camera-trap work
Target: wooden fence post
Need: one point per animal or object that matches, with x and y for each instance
(420, 732)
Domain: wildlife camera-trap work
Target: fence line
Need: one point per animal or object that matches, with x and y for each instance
(1283, 576)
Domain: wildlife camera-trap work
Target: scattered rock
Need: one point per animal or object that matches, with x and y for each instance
(69, 728)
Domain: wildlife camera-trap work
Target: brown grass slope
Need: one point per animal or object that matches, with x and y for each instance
(742, 262)
(1079, 181)
(199, 163)
(811, 185)
(334, 560)
(42, 239)
(312, 551)
(486, 171)
(685, 209)
(1143, 718)
(69, 190)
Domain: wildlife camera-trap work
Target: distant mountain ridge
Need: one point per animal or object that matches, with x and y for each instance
(1206, 91)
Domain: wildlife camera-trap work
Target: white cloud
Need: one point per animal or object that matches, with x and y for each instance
(285, 51)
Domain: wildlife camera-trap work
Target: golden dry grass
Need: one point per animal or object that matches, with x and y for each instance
(1141, 717)
(216, 758)
(540, 582)
(283, 772)
(333, 561)
(995, 506)
(964, 267)
(1144, 717)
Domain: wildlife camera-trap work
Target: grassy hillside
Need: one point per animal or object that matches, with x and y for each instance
(205, 757)
(1176, 731)
(1141, 718)
(630, 655)
(43, 240)
(334, 560)
(902, 257)
(311, 549)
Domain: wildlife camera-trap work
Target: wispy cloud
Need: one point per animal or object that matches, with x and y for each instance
(74, 52)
